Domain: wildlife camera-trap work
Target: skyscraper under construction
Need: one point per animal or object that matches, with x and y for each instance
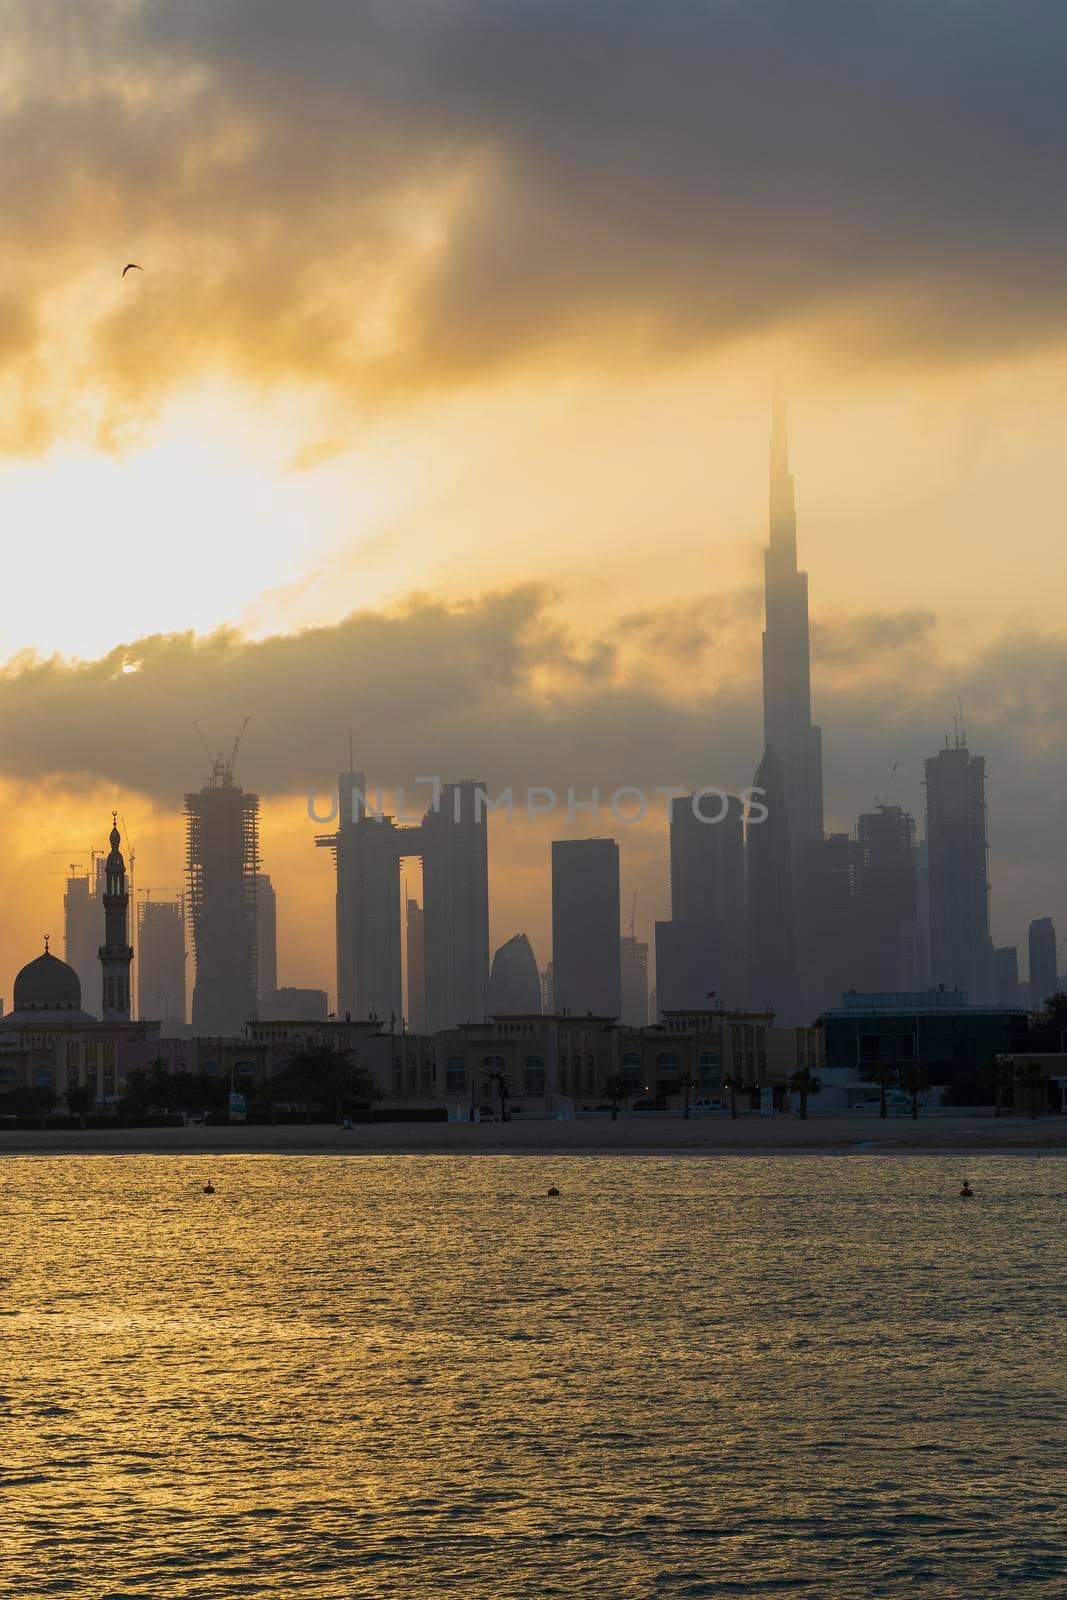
(222, 861)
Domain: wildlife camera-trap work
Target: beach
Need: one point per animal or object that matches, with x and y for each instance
(702, 1135)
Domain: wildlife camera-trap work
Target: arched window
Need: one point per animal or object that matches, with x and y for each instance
(710, 1069)
(668, 1061)
(42, 1077)
(455, 1075)
(534, 1076)
(631, 1068)
(210, 1069)
(245, 1071)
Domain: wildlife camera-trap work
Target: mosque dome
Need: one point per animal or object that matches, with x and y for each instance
(48, 984)
(49, 993)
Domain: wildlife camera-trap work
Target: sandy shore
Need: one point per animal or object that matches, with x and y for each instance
(707, 1135)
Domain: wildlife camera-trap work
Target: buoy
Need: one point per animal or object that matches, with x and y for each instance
(209, 1188)
(553, 1190)
(966, 1193)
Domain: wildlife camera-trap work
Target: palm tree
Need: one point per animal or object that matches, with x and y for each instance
(805, 1083)
(499, 1079)
(998, 1075)
(687, 1083)
(81, 1100)
(883, 1077)
(1030, 1077)
(914, 1080)
(617, 1090)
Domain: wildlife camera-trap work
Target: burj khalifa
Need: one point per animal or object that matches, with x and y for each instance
(790, 773)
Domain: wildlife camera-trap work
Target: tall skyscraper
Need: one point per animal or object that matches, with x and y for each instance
(1044, 974)
(888, 929)
(416, 953)
(585, 927)
(790, 772)
(514, 982)
(1006, 975)
(222, 860)
(681, 968)
(368, 848)
(633, 977)
(161, 960)
(708, 891)
(961, 952)
(787, 724)
(116, 952)
(367, 852)
(772, 957)
(455, 888)
(829, 919)
(83, 929)
(266, 934)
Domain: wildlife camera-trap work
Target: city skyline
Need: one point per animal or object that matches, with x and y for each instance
(533, 786)
(786, 717)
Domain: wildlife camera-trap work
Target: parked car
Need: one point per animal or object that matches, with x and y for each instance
(706, 1105)
(645, 1105)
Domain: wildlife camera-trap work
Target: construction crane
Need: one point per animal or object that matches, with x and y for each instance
(880, 804)
(221, 769)
(79, 866)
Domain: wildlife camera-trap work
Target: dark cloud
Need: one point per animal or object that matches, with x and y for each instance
(389, 195)
(499, 688)
(867, 639)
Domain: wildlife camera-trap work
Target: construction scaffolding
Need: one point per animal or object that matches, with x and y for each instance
(222, 863)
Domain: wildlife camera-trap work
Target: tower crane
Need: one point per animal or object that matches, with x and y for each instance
(880, 804)
(221, 769)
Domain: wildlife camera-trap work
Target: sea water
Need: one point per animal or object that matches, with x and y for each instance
(420, 1376)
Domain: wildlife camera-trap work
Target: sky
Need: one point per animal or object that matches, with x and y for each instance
(438, 414)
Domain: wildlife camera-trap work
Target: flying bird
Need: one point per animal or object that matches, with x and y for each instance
(130, 264)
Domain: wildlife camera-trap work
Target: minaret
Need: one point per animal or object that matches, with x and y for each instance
(787, 724)
(115, 953)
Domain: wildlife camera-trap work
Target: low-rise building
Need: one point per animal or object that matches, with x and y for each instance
(934, 1030)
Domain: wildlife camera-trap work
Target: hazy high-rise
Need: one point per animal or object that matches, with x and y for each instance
(366, 851)
(415, 936)
(787, 724)
(961, 952)
(791, 770)
(451, 842)
(1044, 975)
(633, 980)
(514, 981)
(707, 860)
(887, 868)
(222, 859)
(266, 934)
(772, 955)
(585, 927)
(83, 929)
(455, 884)
(161, 960)
(1006, 975)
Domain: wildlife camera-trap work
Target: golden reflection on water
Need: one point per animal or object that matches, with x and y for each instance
(419, 1376)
